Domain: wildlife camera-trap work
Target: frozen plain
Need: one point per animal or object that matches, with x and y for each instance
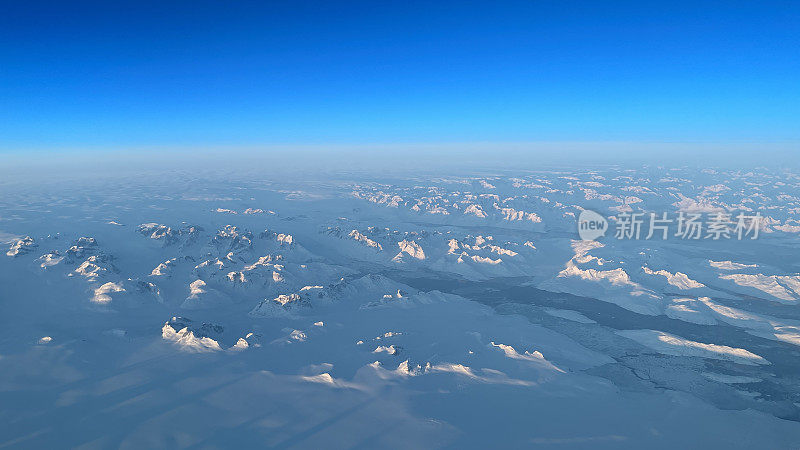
(240, 308)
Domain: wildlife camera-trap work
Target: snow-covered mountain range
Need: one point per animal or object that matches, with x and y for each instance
(460, 311)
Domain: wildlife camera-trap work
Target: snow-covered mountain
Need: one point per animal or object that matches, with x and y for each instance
(412, 312)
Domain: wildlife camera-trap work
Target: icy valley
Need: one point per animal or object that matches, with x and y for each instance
(456, 309)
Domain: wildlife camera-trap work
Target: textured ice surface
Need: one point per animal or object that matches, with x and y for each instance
(180, 308)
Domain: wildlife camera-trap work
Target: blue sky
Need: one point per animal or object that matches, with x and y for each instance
(105, 76)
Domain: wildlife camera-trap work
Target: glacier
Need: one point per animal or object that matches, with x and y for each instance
(451, 308)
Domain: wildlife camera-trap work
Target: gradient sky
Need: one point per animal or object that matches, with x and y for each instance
(103, 75)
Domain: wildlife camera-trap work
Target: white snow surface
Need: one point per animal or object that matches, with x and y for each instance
(245, 309)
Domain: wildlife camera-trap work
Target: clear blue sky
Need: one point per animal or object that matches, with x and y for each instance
(103, 75)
